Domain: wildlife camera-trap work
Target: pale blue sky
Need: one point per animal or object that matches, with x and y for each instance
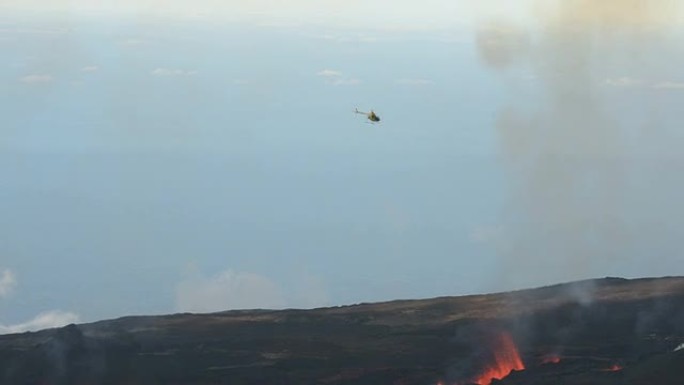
(153, 163)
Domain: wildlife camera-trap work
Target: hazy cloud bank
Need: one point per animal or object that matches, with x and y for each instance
(231, 290)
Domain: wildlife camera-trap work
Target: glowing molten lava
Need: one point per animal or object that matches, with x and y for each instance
(550, 359)
(614, 368)
(506, 359)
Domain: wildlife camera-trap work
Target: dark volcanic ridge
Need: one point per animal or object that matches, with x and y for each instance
(604, 331)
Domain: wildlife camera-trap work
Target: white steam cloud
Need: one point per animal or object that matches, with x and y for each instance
(46, 320)
(8, 282)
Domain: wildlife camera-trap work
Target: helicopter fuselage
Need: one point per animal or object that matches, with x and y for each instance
(372, 116)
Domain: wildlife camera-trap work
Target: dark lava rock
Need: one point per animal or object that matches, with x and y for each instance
(611, 331)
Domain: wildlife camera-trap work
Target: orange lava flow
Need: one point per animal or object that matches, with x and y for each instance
(550, 359)
(614, 368)
(506, 359)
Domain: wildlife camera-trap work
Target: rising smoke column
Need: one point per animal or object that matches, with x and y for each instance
(591, 149)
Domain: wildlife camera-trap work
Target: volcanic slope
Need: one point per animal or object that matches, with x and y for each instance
(605, 331)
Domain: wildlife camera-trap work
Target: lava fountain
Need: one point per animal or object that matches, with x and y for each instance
(506, 359)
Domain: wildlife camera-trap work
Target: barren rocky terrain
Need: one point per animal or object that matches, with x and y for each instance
(604, 331)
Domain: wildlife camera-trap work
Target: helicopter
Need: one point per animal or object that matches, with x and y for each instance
(370, 115)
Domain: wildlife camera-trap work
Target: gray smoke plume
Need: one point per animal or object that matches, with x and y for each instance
(591, 141)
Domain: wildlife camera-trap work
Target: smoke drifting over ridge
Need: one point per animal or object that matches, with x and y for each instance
(593, 163)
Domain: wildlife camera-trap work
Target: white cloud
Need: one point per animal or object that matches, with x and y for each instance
(368, 39)
(669, 85)
(434, 14)
(414, 82)
(328, 36)
(279, 24)
(452, 38)
(228, 290)
(8, 282)
(89, 69)
(329, 73)
(336, 78)
(36, 79)
(132, 41)
(632, 82)
(623, 82)
(347, 39)
(34, 31)
(172, 72)
(345, 82)
(46, 320)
